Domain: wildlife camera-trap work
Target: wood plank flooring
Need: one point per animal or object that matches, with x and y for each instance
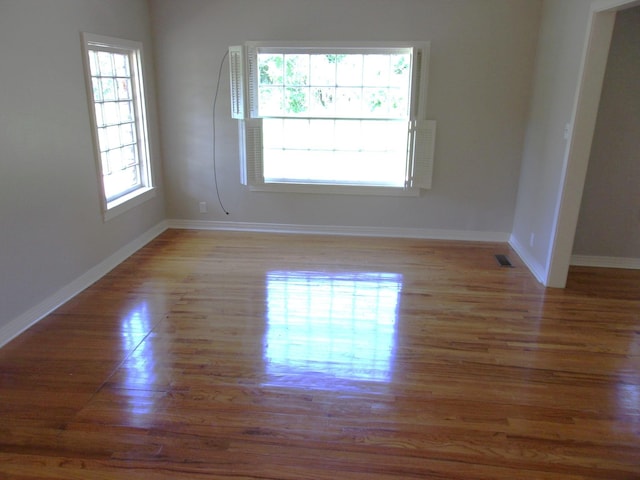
(212, 355)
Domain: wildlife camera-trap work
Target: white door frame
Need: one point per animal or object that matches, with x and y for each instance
(594, 62)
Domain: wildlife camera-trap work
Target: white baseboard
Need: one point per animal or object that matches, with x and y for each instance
(605, 262)
(532, 264)
(432, 234)
(18, 325)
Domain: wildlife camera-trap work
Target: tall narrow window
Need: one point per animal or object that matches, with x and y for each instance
(115, 86)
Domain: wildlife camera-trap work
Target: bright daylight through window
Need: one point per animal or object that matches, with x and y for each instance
(325, 115)
(114, 80)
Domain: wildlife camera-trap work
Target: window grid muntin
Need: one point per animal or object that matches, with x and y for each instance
(282, 89)
(118, 140)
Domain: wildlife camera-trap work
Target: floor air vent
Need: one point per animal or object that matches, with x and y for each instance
(503, 260)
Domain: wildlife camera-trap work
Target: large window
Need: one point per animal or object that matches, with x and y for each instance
(319, 116)
(114, 82)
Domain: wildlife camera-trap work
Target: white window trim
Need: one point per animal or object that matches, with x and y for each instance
(421, 138)
(147, 191)
(335, 189)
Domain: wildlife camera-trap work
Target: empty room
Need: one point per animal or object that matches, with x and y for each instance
(287, 239)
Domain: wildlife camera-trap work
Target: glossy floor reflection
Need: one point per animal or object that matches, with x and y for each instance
(326, 326)
(225, 355)
(139, 368)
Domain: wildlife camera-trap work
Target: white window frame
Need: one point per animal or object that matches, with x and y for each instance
(145, 190)
(420, 132)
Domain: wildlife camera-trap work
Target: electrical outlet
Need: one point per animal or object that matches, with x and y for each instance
(532, 239)
(203, 207)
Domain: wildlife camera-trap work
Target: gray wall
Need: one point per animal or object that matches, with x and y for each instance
(482, 57)
(609, 221)
(560, 51)
(51, 227)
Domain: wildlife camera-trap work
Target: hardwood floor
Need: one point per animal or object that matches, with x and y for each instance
(258, 356)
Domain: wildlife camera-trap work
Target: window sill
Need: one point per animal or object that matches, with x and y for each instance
(127, 202)
(336, 189)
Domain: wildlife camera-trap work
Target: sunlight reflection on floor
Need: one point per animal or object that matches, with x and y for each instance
(324, 326)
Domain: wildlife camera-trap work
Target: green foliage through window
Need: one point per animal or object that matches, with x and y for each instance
(335, 85)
